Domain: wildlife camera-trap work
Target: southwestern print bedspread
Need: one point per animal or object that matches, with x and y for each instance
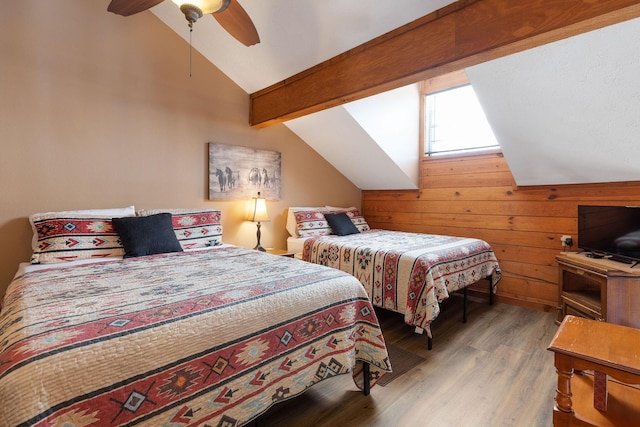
(408, 273)
(208, 338)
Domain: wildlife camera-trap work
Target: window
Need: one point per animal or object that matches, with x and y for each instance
(455, 123)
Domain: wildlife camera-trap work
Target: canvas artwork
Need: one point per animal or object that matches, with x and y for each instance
(240, 172)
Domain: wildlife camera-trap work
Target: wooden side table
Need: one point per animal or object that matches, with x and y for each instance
(609, 350)
(280, 252)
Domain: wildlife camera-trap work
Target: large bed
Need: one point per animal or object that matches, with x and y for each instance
(213, 335)
(409, 273)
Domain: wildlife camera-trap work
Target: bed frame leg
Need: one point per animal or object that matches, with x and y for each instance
(420, 330)
(490, 290)
(366, 373)
(464, 305)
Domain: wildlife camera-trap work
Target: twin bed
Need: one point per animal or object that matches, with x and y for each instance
(408, 273)
(210, 334)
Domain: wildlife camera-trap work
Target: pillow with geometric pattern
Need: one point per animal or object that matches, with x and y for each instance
(95, 213)
(312, 224)
(357, 219)
(73, 237)
(194, 228)
(292, 225)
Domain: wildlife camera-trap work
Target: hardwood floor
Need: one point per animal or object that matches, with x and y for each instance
(492, 371)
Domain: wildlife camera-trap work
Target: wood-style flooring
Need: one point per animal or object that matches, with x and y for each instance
(492, 371)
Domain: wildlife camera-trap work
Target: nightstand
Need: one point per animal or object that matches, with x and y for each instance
(281, 252)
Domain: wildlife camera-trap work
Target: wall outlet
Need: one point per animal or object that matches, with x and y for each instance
(567, 241)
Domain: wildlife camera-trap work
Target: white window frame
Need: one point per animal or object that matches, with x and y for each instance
(435, 86)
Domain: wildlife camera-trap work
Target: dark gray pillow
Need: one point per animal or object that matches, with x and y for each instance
(147, 235)
(341, 224)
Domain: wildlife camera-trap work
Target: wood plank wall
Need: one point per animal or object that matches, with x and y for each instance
(477, 196)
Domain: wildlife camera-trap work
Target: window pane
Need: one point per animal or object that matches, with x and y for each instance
(456, 122)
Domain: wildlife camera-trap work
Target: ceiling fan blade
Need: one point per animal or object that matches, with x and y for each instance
(131, 7)
(237, 22)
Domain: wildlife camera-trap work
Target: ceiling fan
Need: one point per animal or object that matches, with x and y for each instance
(229, 14)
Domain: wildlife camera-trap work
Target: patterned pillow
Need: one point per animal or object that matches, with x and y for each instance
(73, 237)
(194, 228)
(312, 224)
(358, 220)
(96, 213)
(292, 224)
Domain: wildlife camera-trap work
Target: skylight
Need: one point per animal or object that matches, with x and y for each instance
(455, 123)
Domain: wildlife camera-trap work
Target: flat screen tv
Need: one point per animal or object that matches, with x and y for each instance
(610, 231)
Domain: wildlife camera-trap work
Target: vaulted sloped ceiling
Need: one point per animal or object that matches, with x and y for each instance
(566, 112)
(294, 35)
(373, 142)
(379, 133)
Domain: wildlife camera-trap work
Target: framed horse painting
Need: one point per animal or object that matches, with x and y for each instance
(240, 172)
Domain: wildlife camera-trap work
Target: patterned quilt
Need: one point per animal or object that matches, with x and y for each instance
(208, 338)
(408, 273)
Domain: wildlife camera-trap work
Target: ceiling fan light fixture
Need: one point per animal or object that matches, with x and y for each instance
(205, 6)
(229, 13)
(191, 13)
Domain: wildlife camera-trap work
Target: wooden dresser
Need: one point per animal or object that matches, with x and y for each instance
(598, 289)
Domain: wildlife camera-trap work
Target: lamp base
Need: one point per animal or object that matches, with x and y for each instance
(258, 246)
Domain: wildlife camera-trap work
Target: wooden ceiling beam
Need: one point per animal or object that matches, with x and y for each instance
(465, 33)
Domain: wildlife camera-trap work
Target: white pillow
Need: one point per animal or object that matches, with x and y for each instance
(102, 213)
(335, 208)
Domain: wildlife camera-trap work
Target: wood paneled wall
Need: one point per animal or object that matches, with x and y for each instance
(477, 196)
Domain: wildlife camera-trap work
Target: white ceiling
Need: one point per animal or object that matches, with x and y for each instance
(294, 34)
(558, 110)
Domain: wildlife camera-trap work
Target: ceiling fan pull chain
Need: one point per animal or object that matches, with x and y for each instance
(190, 49)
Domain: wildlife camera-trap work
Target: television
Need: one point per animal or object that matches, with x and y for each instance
(611, 232)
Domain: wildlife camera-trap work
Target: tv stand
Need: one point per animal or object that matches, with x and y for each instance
(598, 289)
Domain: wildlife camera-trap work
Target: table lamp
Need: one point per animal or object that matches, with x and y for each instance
(258, 213)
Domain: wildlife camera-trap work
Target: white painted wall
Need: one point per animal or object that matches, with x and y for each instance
(392, 119)
(568, 112)
(342, 141)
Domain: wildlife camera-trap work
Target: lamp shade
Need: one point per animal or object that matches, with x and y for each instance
(258, 211)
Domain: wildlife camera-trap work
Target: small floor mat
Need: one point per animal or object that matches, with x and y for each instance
(402, 361)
